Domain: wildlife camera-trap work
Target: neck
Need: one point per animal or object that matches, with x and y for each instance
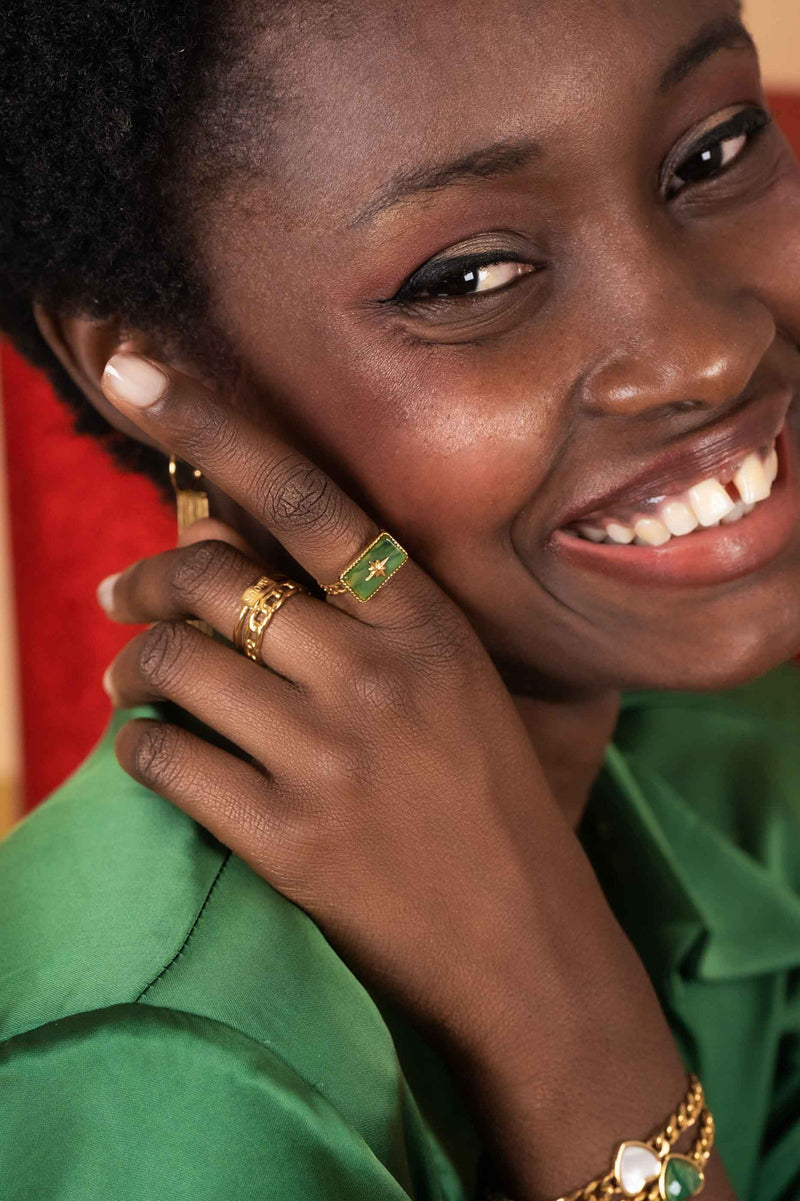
(570, 737)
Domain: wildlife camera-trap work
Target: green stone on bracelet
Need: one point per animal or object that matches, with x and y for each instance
(681, 1178)
(373, 567)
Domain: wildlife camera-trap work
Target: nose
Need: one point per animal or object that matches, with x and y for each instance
(677, 335)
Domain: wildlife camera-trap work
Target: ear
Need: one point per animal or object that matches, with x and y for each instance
(83, 347)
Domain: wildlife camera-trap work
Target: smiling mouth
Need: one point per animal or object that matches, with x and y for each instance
(725, 542)
(724, 499)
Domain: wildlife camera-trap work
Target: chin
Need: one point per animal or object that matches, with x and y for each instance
(711, 641)
(724, 644)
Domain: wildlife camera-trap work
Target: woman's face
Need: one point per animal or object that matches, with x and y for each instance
(604, 251)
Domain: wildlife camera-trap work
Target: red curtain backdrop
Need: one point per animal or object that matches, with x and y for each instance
(786, 110)
(74, 519)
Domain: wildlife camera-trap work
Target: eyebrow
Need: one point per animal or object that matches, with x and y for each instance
(513, 154)
(723, 33)
(486, 162)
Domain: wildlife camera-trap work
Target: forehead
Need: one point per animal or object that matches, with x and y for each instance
(403, 80)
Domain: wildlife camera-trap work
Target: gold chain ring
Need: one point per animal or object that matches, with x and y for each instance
(260, 602)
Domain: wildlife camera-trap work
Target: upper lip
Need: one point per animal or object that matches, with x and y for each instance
(717, 448)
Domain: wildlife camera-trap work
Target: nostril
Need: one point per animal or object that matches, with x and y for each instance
(686, 406)
(673, 408)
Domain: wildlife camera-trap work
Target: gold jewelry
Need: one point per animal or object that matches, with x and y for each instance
(192, 504)
(650, 1170)
(192, 499)
(370, 569)
(260, 602)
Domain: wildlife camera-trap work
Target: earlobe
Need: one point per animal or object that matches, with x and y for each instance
(83, 347)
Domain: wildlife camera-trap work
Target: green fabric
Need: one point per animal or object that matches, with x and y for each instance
(171, 1026)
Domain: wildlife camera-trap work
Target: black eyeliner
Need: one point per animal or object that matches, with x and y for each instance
(749, 120)
(436, 272)
(752, 121)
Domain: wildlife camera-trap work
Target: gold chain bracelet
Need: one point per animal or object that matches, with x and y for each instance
(658, 1144)
(650, 1170)
(696, 1159)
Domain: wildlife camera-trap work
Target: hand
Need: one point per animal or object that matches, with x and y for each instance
(391, 783)
(391, 790)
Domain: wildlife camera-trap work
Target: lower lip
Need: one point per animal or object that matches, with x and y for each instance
(711, 556)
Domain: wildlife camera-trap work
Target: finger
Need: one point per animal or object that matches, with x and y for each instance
(250, 706)
(317, 523)
(230, 798)
(206, 580)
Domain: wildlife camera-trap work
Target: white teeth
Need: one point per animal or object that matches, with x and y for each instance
(736, 513)
(594, 533)
(619, 533)
(752, 480)
(710, 501)
(678, 517)
(651, 532)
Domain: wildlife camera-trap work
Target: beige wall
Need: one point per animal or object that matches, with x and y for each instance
(775, 25)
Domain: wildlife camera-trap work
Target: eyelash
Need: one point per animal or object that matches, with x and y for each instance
(750, 122)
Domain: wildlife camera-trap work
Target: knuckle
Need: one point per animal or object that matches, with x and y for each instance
(300, 496)
(266, 823)
(154, 757)
(338, 766)
(163, 652)
(202, 569)
(381, 689)
(439, 637)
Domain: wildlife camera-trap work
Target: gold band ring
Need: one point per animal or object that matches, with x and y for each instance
(259, 604)
(370, 570)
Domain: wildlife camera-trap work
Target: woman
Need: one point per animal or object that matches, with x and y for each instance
(510, 289)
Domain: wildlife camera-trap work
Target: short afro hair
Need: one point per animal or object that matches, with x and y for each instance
(117, 117)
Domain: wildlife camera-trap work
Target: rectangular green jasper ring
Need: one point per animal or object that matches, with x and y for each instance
(370, 571)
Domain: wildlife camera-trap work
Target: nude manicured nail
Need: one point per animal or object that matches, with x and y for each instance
(134, 380)
(105, 591)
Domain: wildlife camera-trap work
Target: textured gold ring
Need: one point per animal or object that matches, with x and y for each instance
(259, 604)
(370, 570)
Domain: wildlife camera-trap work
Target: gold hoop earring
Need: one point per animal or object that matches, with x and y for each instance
(191, 504)
(191, 498)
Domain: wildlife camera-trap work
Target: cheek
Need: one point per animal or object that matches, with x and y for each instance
(766, 252)
(449, 456)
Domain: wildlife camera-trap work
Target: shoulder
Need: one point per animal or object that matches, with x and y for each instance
(96, 886)
(113, 897)
(193, 1023)
(170, 1104)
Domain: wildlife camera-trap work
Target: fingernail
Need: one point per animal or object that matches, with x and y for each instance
(107, 686)
(105, 591)
(134, 380)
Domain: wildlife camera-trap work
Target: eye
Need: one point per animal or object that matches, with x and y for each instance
(462, 277)
(716, 151)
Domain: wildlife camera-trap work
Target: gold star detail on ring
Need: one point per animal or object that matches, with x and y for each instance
(377, 567)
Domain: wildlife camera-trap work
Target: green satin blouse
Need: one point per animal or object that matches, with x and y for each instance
(172, 1027)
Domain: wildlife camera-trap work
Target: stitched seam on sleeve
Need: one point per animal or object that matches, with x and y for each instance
(191, 931)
